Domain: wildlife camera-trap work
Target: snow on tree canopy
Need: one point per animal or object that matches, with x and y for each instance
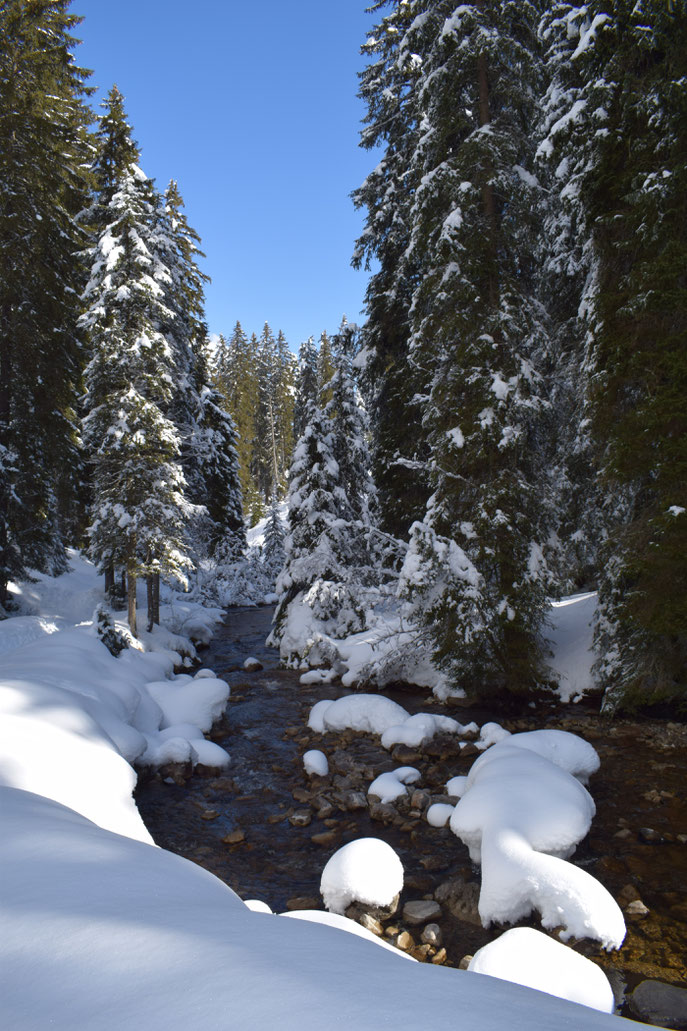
(366, 870)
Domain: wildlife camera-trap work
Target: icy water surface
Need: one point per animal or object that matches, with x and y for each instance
(634, 849)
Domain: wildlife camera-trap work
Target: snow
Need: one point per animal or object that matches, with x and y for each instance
(187, 699)
(420, 728)
(531, 958)
(521, 816)
(342, 923)
(439, 814)
(566, 750)
(570, 640)
(315, 763)
(103, 930)
(366, 870)
(366, 713)
(389, 786)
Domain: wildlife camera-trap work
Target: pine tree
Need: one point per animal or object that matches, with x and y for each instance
(394, 383)
(273, 553)
(139, 509)
(238, 381)
(618, 139)
(477, 325)
(306, 388)
(44, 154)
(325, 369)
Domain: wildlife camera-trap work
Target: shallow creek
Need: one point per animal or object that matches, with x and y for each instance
(238, 825)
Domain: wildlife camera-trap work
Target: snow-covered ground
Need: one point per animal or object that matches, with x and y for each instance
(103, 930)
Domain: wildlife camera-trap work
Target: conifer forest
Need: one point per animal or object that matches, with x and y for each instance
(505, 425)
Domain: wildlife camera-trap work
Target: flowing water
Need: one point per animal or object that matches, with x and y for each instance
(240, 825)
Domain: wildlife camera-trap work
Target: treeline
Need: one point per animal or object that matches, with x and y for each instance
(527, 327)
(111, 429)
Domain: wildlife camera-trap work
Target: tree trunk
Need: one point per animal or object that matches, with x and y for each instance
(150, 595)
(156, 599)
(109, 581)
(131, 594)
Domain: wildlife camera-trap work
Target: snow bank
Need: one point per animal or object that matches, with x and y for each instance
(367, 870)
(102, 932)
(186, 699)
(389, 786)
(568, 751)
(570, 640)
(531, 958)
(520, 815)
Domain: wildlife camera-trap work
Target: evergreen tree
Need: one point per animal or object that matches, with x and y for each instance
(395, 382)
(476, 324)
(617, 136)
(44, 154)
(306, 388)
(238, 381)
(139, 509)
(325, 369)
(273, 553)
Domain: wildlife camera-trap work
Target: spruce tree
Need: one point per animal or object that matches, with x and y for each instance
(477, 325)
(618, 139)
(237, 378)
(306, 389)
(44, 154)
(139, 510)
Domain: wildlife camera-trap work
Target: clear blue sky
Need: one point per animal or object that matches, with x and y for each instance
(252, 108)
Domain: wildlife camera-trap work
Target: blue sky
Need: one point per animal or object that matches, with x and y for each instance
(252, 108)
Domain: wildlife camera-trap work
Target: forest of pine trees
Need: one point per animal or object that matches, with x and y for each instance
(508, 425)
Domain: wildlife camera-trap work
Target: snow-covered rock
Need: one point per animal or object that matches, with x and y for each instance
(366, 713)
(521, 815)
(389, 786)
(417, 730)
(531, 958)
(315, 763)
(366, 870)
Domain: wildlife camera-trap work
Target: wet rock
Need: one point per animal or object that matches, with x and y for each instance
(209, 814)
(465, 962)
(371, 924)
(301, 818)
(354, 800)
(405, 756)
(661, 1004)
(434, 863)
(234, 837)
(405, 941)
(421, 911)
(419, 800)
(637, 909)
(252, 665)
(462, 898)
(440, 957)
(303, 902)
(341, 762)
(176, 773)
(324, 838)
(417, 882)
(383, 812)
(276, 817)
(431, 935)
(421, 953)
(381, 913)
(301, 795)
(468, 750)
(649, 836)
(325, 809)
(623, 834)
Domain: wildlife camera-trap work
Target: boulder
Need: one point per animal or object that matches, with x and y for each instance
(661, 1004)
(421, 911)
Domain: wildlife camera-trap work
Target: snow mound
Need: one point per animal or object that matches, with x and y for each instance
(490, 734)
(439, 814)
(315, 763)
(570, 752)
(366, 713)
(186, 699)
(530, 958)
(388, 786)
(521, 816)
(457, 786)
(417, 730)
(366, 870)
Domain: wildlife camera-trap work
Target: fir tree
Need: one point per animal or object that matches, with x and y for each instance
(273, 553)
(306, 389)
(44, 154)
(139, 509)
(237, 379)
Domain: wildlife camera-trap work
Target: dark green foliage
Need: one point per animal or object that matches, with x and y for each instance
(112, 638)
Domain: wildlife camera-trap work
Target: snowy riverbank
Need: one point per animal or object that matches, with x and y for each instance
(103, 930)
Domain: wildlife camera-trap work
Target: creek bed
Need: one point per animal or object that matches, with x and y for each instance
(639, 788)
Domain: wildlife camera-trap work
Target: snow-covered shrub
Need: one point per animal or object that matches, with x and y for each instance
(112, 638)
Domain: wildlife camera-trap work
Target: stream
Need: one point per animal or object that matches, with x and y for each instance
(267, 831)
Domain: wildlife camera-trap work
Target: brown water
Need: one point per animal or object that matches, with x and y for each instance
(639, 788)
